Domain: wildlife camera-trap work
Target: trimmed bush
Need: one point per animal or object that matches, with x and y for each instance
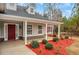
(55, 39)
(48, 46)
(44, 41)
(34, 44)
(66, 37)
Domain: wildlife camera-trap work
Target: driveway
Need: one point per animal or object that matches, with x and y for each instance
(15, 48)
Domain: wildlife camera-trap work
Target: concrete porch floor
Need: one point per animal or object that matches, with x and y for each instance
(15, 48)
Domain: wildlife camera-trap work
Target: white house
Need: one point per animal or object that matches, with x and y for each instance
(18, 21)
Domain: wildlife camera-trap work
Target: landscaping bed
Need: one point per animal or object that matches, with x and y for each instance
(59, 48)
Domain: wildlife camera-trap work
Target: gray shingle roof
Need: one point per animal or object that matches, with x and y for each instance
(21, 11)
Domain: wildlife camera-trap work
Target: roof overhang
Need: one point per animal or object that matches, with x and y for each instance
(19, 18)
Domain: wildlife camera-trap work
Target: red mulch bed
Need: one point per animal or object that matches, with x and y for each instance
(61, 44)
(52, 35)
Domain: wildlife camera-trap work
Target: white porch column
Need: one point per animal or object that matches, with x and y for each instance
(58, 30)
(5, 32)
(17, 31)
(25, 31)
(52, 29)
(46, 31)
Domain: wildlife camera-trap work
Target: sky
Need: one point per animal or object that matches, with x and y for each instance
(66, 8)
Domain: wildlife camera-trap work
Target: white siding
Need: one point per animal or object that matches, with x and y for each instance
(1, 30)
(35, 28)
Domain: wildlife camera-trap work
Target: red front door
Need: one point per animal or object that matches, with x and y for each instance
(11, 32)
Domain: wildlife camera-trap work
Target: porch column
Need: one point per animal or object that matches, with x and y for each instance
(25, 31)
(58, 30)
(46, 31)
(5, 32)
(52, 29)
(17, 31)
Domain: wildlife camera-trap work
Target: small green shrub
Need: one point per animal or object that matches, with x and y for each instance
(44, 41)
(48, 46)
(34, 44)
(66, 37)
(55, 39)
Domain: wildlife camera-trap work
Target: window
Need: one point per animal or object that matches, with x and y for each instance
(12, 4)
(29, 29)
(32, 10)
(49, 29)
(39, 29)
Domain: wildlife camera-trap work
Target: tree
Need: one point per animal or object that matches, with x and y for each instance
(75, 17)
(52, 11)
(64, 26)
(72, 24)
(75, 10)
(48, 8)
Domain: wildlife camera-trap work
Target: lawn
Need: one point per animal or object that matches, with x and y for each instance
(59, 48)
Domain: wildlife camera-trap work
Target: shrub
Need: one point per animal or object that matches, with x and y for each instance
(44, 41)
(55, 39)
(66, 37)
(48, 46)
(34, 44)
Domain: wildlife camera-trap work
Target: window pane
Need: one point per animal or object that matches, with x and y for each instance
(39, 29)
(29, 29)
(49, 29)
(29, 26)
(31, 9)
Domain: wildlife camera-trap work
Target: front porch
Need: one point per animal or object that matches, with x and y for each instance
(29, 28)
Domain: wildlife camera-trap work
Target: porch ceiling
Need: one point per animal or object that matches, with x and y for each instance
(34, 20)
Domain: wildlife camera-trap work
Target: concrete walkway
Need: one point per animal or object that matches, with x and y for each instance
(15, 48)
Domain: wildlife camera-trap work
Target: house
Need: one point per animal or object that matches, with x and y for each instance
(18, 21)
